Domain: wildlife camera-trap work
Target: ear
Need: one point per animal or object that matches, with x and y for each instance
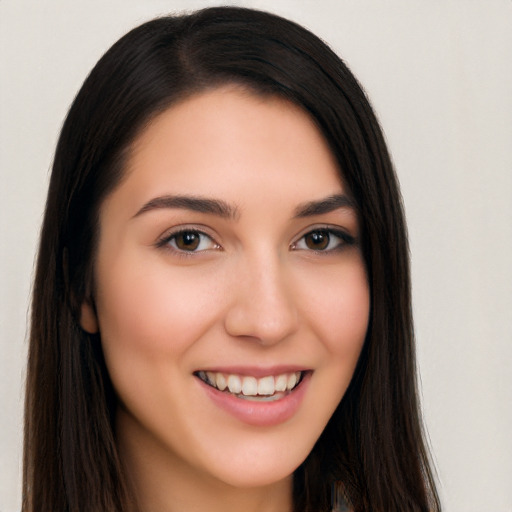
(88, 317)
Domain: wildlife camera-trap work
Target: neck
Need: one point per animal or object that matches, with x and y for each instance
(163, 482)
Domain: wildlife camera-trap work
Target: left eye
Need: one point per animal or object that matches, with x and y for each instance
(190, 241)
(322, 240)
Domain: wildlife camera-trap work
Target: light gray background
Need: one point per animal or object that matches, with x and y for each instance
(439, 75)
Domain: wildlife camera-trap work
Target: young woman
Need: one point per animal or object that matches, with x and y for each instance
(221, 312)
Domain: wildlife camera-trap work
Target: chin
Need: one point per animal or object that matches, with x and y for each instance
(256, 478)
(259, 466)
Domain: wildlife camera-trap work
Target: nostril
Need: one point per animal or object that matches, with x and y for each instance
(259, 326)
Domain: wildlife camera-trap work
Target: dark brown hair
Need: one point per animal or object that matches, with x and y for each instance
(372, 451)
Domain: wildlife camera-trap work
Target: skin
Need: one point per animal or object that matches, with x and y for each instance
(252, 293)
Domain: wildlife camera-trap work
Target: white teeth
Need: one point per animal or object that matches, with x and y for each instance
(220, 381)
(292, 380)
(234, 384)
(249, 386)
(266, 386)
(281, 382)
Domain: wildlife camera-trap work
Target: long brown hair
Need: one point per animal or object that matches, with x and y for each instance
(372, 451)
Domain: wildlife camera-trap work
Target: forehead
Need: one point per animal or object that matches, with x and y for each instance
(229, 142)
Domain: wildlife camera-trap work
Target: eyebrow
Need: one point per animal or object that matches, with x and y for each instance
(197, 204)
(322, 206)
(226, 211)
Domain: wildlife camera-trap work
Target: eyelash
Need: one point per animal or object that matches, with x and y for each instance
(345, 240)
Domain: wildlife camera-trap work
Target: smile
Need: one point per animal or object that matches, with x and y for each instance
(268, 388)
(255, 396)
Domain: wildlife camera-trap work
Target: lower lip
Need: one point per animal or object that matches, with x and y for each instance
(260, 414)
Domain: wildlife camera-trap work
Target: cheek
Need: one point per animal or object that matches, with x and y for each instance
(150, 313)
(340, 320)
(151, 303)
(350, 318)
(339, 311)
(150, 318)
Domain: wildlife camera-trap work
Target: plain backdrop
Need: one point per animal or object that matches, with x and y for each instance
(439, 75)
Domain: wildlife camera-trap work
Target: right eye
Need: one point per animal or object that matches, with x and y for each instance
(188, 241)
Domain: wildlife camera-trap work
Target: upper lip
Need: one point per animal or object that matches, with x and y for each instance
(255, 371)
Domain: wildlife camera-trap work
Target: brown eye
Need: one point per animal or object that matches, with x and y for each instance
(187, 240)
(317, 240)
(324, 240)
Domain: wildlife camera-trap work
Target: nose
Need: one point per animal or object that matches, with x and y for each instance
(262, 305)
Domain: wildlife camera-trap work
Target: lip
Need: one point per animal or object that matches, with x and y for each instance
(260, 414)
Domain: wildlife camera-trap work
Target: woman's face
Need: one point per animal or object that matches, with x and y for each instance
(228, 256)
